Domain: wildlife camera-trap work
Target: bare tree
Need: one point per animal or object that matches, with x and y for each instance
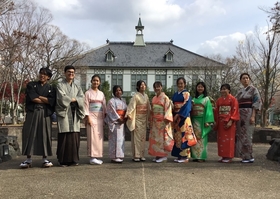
(56, 50)
(260, 55)
(18, 35)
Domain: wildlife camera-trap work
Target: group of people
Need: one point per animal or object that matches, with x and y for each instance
(179, 125)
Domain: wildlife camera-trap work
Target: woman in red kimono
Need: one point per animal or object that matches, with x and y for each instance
(226, 116)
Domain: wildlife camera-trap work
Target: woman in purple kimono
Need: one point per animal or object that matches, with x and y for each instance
(116, 109)
(249, 101)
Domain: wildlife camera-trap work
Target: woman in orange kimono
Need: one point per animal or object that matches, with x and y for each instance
(161, 138)
(226, 116)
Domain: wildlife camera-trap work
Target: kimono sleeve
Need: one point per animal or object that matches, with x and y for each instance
(186, 108)
(168, 109)
(257, 100)
(208, 112)
(234, 109)
(31, 92)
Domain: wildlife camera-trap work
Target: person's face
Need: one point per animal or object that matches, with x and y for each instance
(95, 82)
(70, 74)
(224, 91)
(181, 85)
(245, 80)
(200, 89)
(142, 87)
(118, 93)
(43, 78)
(158, 89)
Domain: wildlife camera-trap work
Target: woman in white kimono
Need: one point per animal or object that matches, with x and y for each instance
(137, 115)
(69, 111)
(95, 108)
(116, 109)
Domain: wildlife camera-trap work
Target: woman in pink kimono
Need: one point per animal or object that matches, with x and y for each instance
(95, 108)
(116, 109)
(161, 138)
(137, 115)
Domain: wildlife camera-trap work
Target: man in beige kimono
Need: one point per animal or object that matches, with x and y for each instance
(70, 111)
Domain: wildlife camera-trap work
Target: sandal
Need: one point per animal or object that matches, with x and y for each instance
(47, 164)
(26, 164)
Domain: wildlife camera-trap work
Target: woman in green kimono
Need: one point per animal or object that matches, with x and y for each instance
(202, 116)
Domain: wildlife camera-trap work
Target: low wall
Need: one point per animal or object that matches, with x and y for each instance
(261, 135)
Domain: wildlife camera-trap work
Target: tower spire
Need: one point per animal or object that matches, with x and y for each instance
(139, 40)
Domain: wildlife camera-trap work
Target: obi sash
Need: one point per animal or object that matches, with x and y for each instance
(245, 103)
(158, 111)
(141, 109)
(197, 110)
(121, 113)
(178, 106)
(224, 110)
(95, 106)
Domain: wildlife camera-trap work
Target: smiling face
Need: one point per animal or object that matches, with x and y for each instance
(158, 89)
(142, 87)
(224, 91)
(181, 85)
(95, 82)
(70, 74)
(118, 93)
(200, 89)
(43, 77)
(245, 80)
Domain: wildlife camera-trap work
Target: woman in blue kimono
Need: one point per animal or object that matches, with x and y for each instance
(183, 130)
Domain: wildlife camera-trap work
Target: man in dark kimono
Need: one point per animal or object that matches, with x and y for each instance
(37, 128)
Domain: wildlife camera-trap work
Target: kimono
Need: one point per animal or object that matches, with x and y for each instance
(160, 137)
(182, 127)
(95, 109)
(202, 112)
(226, 109)
(69, 114)
(37, 128)
(116, 109)
(248, 99)
(138, 110)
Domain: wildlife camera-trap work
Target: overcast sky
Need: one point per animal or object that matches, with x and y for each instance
(205, 27)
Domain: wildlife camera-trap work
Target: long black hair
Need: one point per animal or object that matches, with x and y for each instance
(138, 84)
(115, 89)
(98, 78)
(204, 92)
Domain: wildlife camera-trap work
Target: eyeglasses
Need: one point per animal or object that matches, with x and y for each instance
(71, 72)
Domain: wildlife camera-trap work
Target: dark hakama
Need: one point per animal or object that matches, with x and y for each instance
(68, 145)
(36, 133)
(37, 128)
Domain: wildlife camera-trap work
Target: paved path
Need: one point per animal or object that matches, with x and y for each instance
(144, 180)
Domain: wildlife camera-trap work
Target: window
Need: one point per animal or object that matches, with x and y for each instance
(169, 57)
(175, 77)
(210, 81)
(135, 78)
(117, 79)
(84, 82)
(194, 80)
(162, 79)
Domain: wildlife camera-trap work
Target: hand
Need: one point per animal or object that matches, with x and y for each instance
(229, 124)
(252, 120)
(175, 117)
(206, 124)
